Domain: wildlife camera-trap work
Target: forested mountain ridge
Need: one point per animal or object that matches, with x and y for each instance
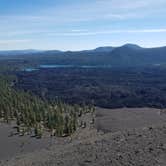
(124, 56)
(19, 52)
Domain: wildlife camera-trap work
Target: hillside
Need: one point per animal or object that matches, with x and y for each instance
(140, 146)
(123, 56)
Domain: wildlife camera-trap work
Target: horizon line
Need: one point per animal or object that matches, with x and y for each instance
(66, 50)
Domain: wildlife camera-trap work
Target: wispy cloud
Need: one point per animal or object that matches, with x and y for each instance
(92, 33)
(8, 42)
(83, 18)
(89, 11)
(106, 10)
(77, 32)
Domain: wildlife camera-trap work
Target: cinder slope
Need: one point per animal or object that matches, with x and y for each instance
(131, 147)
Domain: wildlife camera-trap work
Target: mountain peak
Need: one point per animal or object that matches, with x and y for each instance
(133, 46)
(104, 49)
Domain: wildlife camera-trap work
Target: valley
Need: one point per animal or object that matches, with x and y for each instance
(107, 87)
(82, 83)
(96, 107)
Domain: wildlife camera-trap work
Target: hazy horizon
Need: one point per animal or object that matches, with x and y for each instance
(84, 49)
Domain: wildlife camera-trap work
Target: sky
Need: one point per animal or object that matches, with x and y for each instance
(81, 24)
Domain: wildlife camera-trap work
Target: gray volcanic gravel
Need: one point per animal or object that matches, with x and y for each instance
(143, 146)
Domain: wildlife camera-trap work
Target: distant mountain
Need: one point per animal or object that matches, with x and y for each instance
(124, 56)
(19, 52)
(50, 52)
(110, 49)
(131, 46)
(104, 49)
(133, 55)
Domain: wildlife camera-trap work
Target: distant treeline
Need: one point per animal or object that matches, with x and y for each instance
(128, 55)
(109, 87)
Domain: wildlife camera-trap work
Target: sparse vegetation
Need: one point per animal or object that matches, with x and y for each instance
(33, 115)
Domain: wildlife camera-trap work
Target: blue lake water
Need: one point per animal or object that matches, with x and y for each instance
(56, 66)
(66, 66)
(30, 69)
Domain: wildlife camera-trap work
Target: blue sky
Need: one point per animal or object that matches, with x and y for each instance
(81, 24)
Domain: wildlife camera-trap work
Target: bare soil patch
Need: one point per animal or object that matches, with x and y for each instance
(134, 137)
(112, 120)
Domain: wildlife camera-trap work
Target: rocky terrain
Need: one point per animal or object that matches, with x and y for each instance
(143, 144)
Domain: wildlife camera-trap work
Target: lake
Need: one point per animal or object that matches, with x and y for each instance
(47, 66)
